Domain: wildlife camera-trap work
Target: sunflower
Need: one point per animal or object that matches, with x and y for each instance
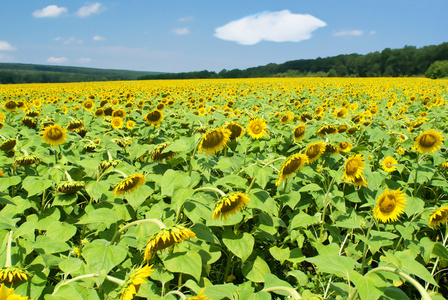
(133, 282)
(388, 163)
(11, 105)
(236, 129)
(158, 155)
(230, 205)
(108, 163)
(13, 275)
(70, 187)
(8, 294)
(287, 117)
(360, 181)
(390, 205)
(429, 141)
(116, 122)
(130, 124)
(327, 129)
(439, 217)
(214, 140)
(299, 132)
(88, 104)
(291, 166)
(353, 167)
(344, 146)
(121, 113)
(8, 145)
(29, 122)
(166, 238)
(99, 112)
(154, 118)
(199, 296)
(26, 160)
(342, 128)
(75, 124)
(314, 151)
(129, 184)
(257, 128)
(54, 134)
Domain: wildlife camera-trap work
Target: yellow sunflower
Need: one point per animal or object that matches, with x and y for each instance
(299, 132)
(88, 104)
(230, 205)
(11, 105)
(291, 166)
(257, 128)
(199, 296)
(116, 122)
(8, 145)
(8, 294)
(353, 167)
(327, 129)
(344, 147)
(236, 129)
(388, 163)
(13, 275)
(166, 238)
(154, 118)
(70, 187)
(360, 181)
(214, 140)
(54, 134)
(158, 155)
(133, 282)
(428, 141)
(129, 184)
(390, 205)
(314, 151)
(439, 217)
(121, 113)
(99, 112)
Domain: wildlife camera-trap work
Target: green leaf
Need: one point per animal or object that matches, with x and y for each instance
(184, 262)
(6, 182)
(136, 198)
(204, 233)
(70, 265)
(96, 189)
(61, 231)
(270, 280)
(174, 180)
(410, 266)
(280, 254)
(45, 244)
(333, 264)
(241, 245)
(440, 251)
(366, 285)
(101, 215)
(65, 292)
(36, 185)
(311, 187)
(301, 277)
(250, 295)
(101, 255)
(220, 291)
(256, 270)
(161, 275)
(303, 220)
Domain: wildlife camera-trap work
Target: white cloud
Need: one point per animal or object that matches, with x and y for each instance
(89, 9)
(281, 26)
(56, 60)
(51, 11)
(84, 60)
(98, 38)
(185, 19)
(5, 46)
(349, 33)
(181, 31)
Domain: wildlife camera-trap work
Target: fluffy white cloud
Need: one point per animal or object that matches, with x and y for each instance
(181, 31)
(56, 60)
(5, 46)
(98, 38)
(349, 33)
(51, 11)
(89, 9)
(281, 26)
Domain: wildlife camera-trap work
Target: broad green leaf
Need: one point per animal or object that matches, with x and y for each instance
(36, 185)
(440, 251)
(189, 262)
(241, 245)
(65, 292)
(34, 286)
(97, 188)
(410, 266)
(161, 275)
(204, 233)
(70, 265)
(301, 277)
(270, 280)
(45, 244)
(333, 264)
(101, 255)
(220, 291)
(60, 231)
(256, 270)
(173, 180)
(311, 187)
(303, 220)
(366, 286)
(6, 182)
(280, 254)
(137, 197)
(101, 215)
(250, 295)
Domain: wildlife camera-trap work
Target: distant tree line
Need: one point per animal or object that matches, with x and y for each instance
(408, 61)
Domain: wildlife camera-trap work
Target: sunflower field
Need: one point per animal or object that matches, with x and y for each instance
(273, 188)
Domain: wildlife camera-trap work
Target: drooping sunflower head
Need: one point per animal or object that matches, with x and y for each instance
(315, 150)
(388, 163)
(8, 145)
(54, 134)
(390, 205)
(99, 112)
(344, 146)
(439, 217)
(257, 128)
(287, 117)
(291, 166)
(158, 155)
(8, 294)
(214, 140)
(166, 238)
(230, 205)
(120, 113)
(360, 181)
(29, 122)
(428, 141)
(342, 128)
(304, 117)
(13, 275)
(129, 184)
(70, 187)
(354, 167)
(26, 160)
(299, 132)
(75, 124)
(133, 282)
(236, 130)
(327, 129)
(154, 118)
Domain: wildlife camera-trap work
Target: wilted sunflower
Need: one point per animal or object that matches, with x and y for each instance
(230, 205)
(439, 217)
(29, 122)
(342, 128)
(299, 132)
(236, 129)
(353, 167)
(116, 122)
(26, 160)
(8, 145)
(13, 275)
(214, 140)
(291, 166)
(166, 238)
(327, 129)
(8, 294)
(154, 118)
(257, 128)
(54, 134)
(390, 205)
(120, 113)
(199, 296)
(360, 181)
(133, 282)
(108, 163)
(74, 124)
(314, 151)
(344, 146)
(70, 187)
(129, 184)
(158, 155)
(304, 117)
(429, 141)
(388, 164)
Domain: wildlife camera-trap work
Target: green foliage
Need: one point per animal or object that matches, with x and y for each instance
(438, 69)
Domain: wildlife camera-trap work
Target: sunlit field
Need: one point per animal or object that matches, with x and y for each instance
(303, 188)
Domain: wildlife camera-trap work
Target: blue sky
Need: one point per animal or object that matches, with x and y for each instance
(193, 35)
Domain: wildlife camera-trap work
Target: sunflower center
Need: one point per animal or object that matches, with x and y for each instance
(428, 140)
(313, 151)
(213, 139)
(388, 204)
(442, 216)
(257, 129)
(292, 166)
(154, 116)
(352, 167)
(226, 207)
(55, 133)
(343, 145)
(299, 131)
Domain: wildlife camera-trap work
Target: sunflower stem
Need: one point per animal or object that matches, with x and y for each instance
(8, 251)
(177, 293)
(414, 192)
(438, 258)
(410, 222)
(291, 291)
(120, 172)
(117, 234)
(190, 168)
(228, 265)
(322, 221)
(364, 252)
(206, 188)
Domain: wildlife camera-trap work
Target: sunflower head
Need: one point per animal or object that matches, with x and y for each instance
(129, 184)
(230, 205)
(29, 122)
(88, 104)
(299, 132)
(116, 122)
(315, 150)
(327, 129)
(214, 140)
(75, 124)
(342, 128)
(354, 166)
(133, 282)
(388, 163)
(158, 155)
(390, 205)
(54, 134)
(10, 105)
(344, 146)
(8, 145)
(154, 118)
(70, 187)
(428, 141)
(26, 160)
(235, 129)
(360, 181)
(166, 238)
(439, 217)
(13, 275)
(291, 166)
(8, 294)
(99, 112)
(257, 128)
(108, 163)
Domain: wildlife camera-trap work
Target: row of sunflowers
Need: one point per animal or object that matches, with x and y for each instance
(224, 189)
